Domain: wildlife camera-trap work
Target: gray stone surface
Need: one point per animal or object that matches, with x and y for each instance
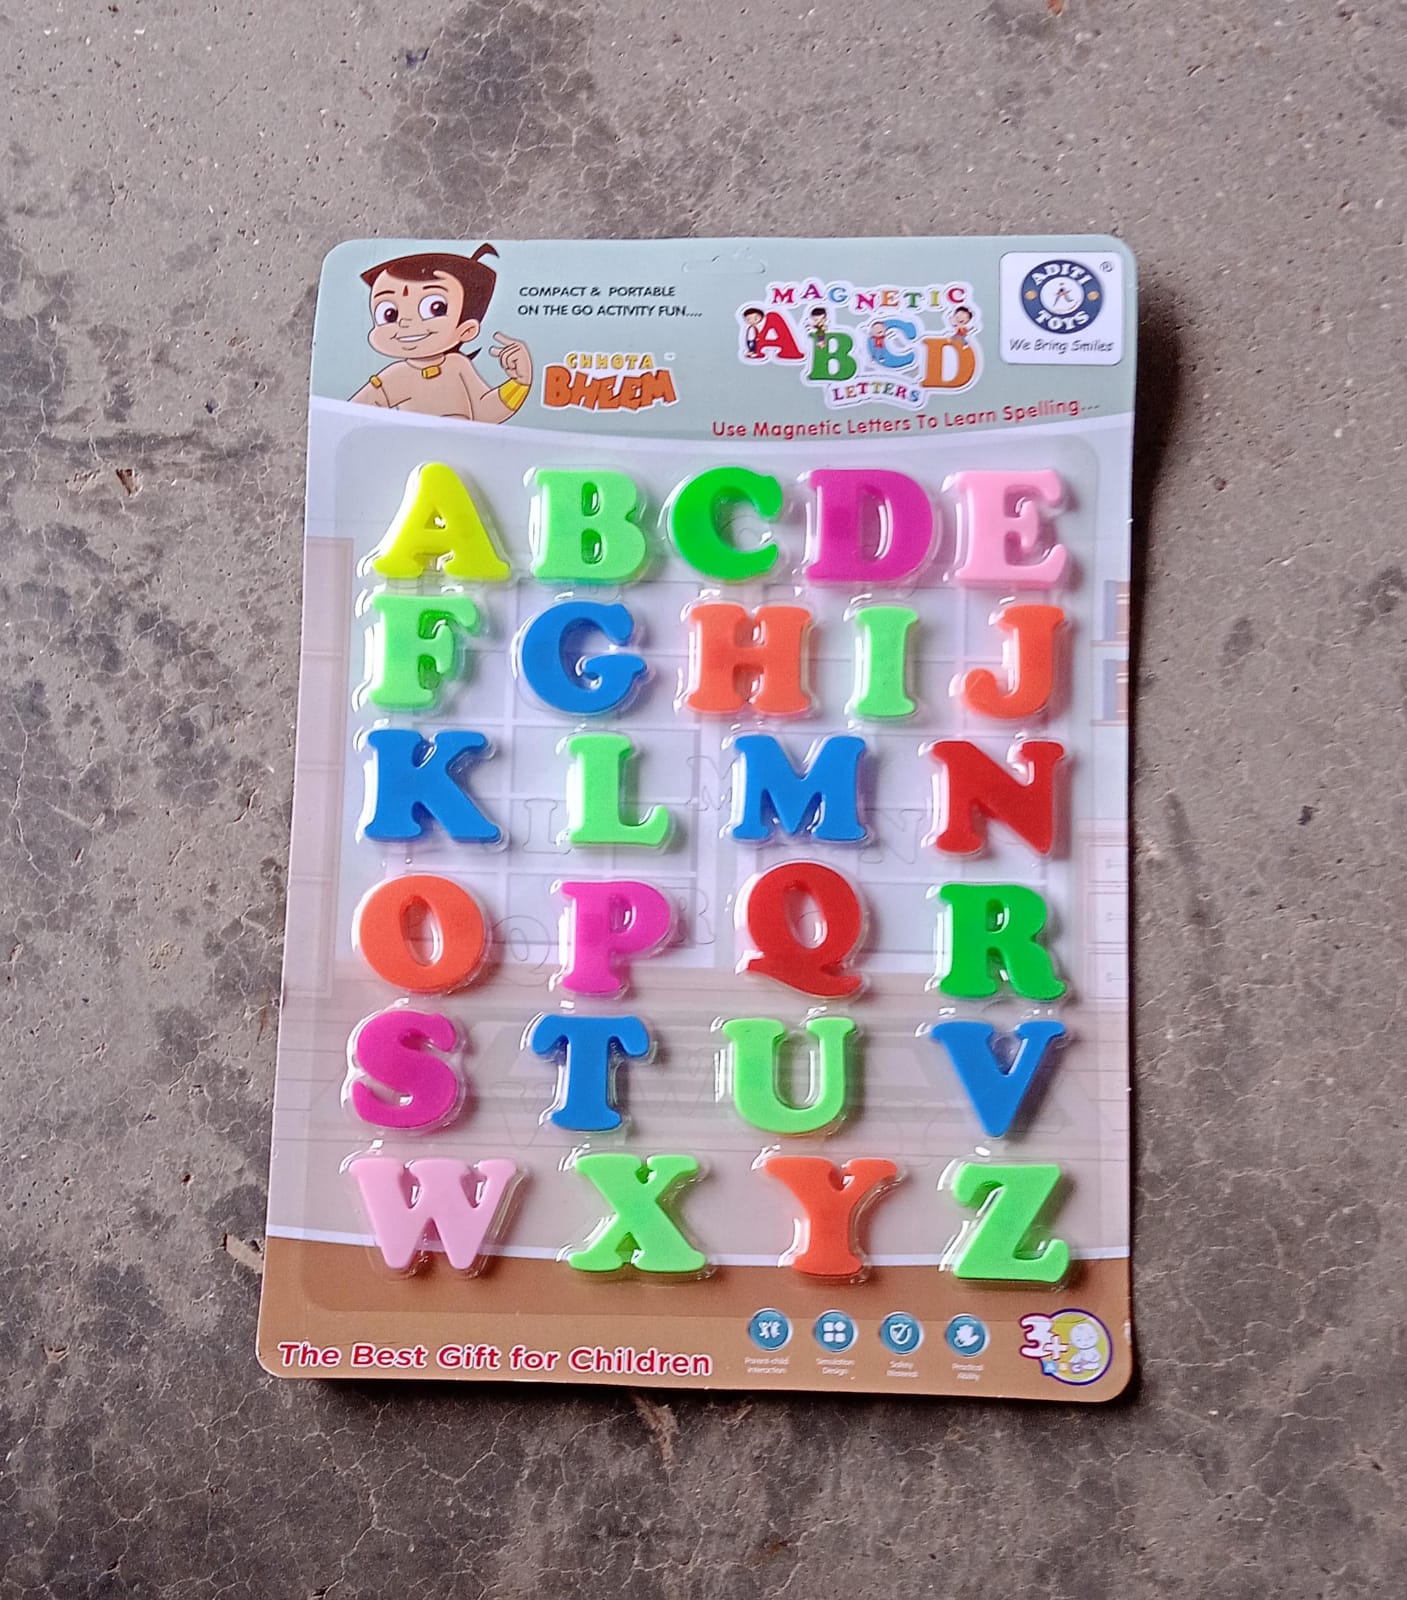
(173, 174)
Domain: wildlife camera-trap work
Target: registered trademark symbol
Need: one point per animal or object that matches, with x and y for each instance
(1106, 266)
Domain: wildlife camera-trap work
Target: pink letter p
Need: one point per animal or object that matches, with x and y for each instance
(605, 924)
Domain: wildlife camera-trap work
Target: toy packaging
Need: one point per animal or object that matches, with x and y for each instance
(706, 953)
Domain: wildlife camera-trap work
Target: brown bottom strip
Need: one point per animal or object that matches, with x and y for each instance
(333, 1311)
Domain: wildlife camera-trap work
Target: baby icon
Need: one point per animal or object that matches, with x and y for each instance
(1086, 1355)
(1072, 1346)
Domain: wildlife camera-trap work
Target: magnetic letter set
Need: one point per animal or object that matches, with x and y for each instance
(706, 955)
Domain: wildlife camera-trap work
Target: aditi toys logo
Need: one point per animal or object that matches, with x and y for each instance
(891, 345)
(1061, 296)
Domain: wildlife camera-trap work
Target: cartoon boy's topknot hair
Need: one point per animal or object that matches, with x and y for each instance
(473, 274)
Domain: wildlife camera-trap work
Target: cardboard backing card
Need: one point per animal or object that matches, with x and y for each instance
(706, 954)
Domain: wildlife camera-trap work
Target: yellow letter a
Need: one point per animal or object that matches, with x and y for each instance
(438, 518)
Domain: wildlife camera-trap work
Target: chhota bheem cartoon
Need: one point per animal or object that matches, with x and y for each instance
(423, 309)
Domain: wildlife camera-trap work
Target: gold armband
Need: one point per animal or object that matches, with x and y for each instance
(512, 393)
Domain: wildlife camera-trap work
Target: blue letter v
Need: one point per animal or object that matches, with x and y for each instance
(995, 1090)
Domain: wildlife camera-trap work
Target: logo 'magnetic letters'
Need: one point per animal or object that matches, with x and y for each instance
(890, 344)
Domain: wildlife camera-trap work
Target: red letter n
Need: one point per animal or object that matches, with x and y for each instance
(973, 789)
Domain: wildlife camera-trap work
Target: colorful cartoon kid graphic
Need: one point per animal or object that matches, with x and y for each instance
(817, 323)
(961, 318)
(423, 309)
(753, 317)
(878, 334)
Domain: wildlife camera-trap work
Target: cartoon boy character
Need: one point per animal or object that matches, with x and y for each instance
(816, 323)
(878, 334)
(423, 309)
(961, 318)
(1086, 1356)
(753, 317)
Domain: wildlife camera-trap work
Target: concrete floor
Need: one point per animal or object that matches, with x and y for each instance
(172, 175)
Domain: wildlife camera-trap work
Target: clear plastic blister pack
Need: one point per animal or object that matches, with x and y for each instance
(706, 952)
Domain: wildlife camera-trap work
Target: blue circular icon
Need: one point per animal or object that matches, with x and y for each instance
(1061, 296)
(769, 1329)
(901, 1333)
(834, 1331)
(966, 1336)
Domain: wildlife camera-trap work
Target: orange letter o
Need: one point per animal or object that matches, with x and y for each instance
(381, 932)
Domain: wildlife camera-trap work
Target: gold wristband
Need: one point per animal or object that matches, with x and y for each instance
(512, 393)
